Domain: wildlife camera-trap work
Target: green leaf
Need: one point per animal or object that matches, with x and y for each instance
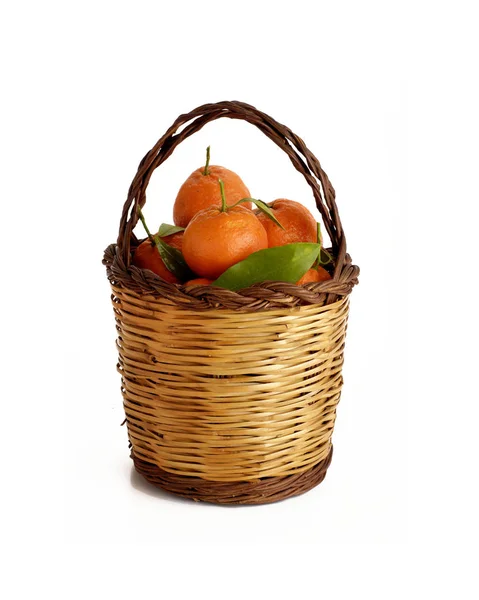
(165, 230)
(174, 261)
(324, 257)
(263, 207)
(282, 263)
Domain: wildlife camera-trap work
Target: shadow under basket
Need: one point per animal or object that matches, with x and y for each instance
(230, 397)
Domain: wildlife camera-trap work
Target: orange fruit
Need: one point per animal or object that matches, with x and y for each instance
(199, 281)
(216, 240)
(299, 224)
(146, 256)
(201, 191)
(314, 274)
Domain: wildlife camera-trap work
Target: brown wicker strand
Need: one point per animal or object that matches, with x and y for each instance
(262, 295)
(262, 491)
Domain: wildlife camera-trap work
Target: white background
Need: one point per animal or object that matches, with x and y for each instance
(386, 95)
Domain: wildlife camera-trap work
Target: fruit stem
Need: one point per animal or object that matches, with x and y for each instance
(206, 171)
(143, 222)
(223, 197)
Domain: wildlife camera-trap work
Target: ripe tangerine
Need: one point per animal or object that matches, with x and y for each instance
(147, 256)
(218, 238)
(201, 191)
(314, 274)
(299, 224)
(199, 281)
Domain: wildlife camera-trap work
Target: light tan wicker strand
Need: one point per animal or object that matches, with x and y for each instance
(229, 396)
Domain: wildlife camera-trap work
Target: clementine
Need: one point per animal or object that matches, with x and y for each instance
(201, 191)
(218, 238)
(298, 223)
(314, 274)
(147, 256)
(199, 281)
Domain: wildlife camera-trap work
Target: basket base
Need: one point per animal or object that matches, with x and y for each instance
(263, 491)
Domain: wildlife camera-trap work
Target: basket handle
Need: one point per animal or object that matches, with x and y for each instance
(303, 160)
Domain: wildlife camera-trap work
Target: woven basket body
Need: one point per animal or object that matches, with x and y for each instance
(230, 397)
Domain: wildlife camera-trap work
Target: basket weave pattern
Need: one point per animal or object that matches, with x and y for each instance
(230, 397)
(272, 417)
(260, 491)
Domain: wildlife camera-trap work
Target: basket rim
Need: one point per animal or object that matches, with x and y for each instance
(264, 295)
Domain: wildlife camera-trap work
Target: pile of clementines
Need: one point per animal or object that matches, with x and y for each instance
(217, 238)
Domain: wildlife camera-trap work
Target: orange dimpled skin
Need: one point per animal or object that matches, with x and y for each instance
(146, 256)
(299, 224)
(201, 191)
(314, 275)
(216, 240)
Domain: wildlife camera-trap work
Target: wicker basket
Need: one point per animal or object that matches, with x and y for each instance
(230, 397)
